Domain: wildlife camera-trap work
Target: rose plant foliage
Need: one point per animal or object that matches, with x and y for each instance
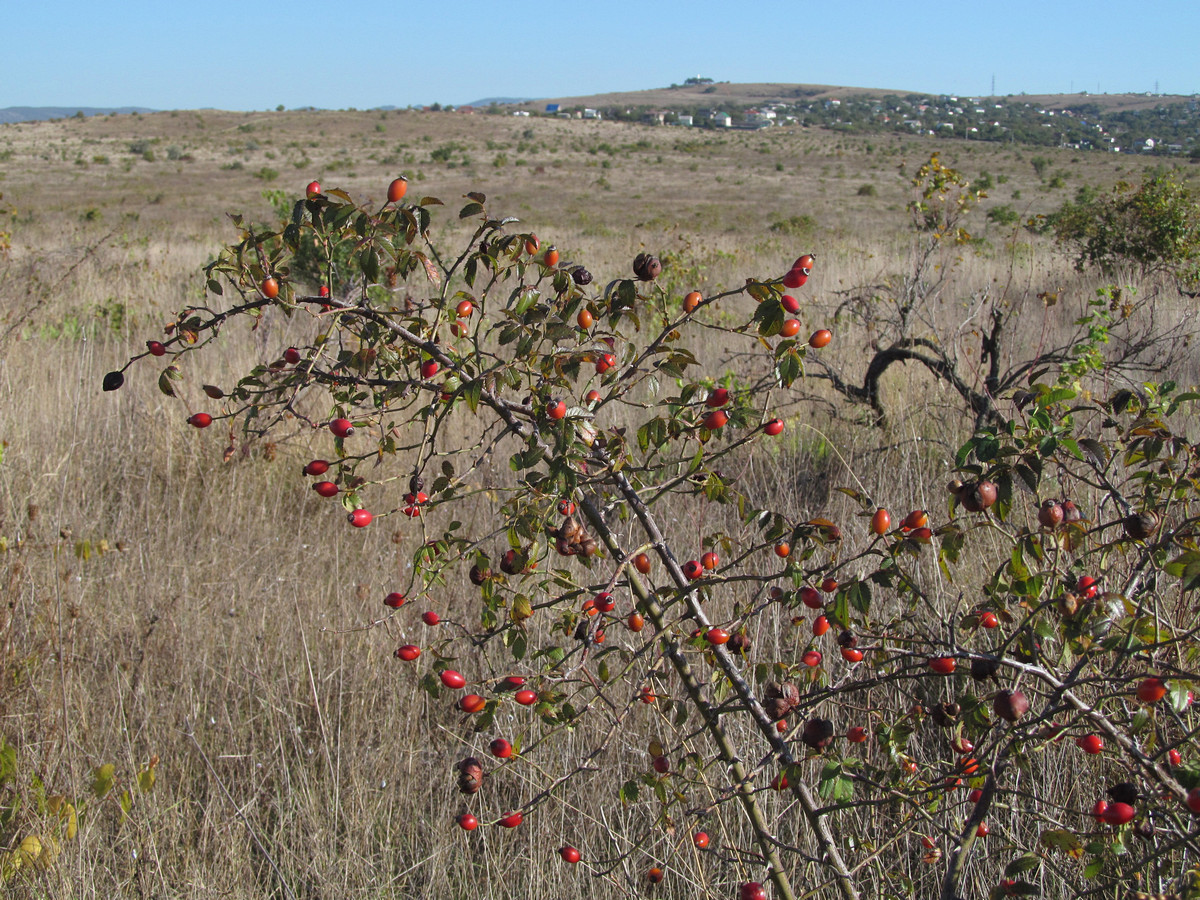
(858, 708)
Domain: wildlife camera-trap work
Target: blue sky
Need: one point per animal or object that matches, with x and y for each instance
(256, 54)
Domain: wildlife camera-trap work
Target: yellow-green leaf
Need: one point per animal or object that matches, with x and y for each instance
(102, 780)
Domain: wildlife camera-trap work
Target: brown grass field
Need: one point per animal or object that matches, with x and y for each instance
(160, 601)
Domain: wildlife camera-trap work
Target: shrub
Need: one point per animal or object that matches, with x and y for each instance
(801, 226)
(1153, 227)
(595, 606)
(1004, 215)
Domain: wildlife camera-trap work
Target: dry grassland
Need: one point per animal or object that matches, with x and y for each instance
(158, 601)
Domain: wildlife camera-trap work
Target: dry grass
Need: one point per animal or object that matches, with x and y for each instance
(231, 606)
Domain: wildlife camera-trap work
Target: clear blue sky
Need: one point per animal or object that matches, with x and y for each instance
(256, 54)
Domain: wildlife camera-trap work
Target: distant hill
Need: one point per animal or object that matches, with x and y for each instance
(501, 101)
(42, 113)
(724, 92)
(1162, 124)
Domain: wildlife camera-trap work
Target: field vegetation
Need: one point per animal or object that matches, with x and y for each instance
(198, 693)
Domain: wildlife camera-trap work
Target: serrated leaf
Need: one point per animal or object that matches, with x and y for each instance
(788, 368)
(1027, 479)
(986, 448)
(834, 785)
(629, 792)
(858, 595)
(1072, 447)
(471, 209)
(369, 261)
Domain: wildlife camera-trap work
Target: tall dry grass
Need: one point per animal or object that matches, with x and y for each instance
(161, 601)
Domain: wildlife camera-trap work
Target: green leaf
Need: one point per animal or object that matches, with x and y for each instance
(1027, 477)
(833, 783)
(369, 261)
(471, 209)
(525, 298)
(473, 393)
(629, 792)
(964, 453)
(1186, 566)
(1021, 865)
(858, 594)
(788, 368)
(625, 296)
(519, 646)
(769, 315)
(169, 374)
(841, 609)
(1016, 564)
(986, 448)
(1178, 691)
(1073, 448)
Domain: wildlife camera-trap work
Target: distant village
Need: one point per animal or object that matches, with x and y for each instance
(1170, 129)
